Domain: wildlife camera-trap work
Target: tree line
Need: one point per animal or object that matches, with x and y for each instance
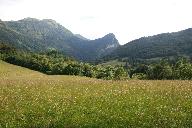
(53, 62)
(180, 69)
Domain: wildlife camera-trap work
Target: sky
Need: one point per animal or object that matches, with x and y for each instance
(127, 19)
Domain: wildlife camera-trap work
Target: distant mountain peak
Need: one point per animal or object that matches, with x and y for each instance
(50, 21)
(110, 35)
(111, 39)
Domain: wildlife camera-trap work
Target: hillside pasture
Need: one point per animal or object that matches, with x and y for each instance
(31, 99)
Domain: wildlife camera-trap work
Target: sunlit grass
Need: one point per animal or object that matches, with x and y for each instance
(32, 99)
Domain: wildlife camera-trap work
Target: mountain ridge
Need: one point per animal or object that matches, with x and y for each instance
(160, 45)
(39, 35)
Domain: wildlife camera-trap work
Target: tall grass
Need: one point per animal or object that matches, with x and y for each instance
(31, 99)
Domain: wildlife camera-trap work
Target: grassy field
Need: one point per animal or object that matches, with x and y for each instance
(32, 99)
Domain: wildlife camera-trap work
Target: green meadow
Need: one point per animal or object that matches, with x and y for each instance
(29, 99)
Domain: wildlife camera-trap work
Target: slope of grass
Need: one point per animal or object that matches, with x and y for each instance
(32, 99)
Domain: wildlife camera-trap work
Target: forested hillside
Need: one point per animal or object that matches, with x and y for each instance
(158, 46)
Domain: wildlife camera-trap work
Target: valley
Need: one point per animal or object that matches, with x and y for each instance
(51, 77)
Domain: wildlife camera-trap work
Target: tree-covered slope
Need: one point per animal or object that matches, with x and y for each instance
(39, 35)
(162, 45)
(18, 40)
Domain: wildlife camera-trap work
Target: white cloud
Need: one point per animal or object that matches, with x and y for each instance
(127, 19)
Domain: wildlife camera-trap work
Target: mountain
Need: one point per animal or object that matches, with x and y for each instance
(39, 35)
(157, 46)
(81, 37)
(2, 23)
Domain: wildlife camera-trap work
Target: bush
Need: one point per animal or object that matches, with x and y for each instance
(140, 76)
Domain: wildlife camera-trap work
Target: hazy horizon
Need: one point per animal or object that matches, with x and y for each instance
(127, 19)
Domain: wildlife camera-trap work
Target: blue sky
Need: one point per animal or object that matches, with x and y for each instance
(127, 19)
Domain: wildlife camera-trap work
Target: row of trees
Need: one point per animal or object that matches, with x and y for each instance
(181, 69)
(55, 63)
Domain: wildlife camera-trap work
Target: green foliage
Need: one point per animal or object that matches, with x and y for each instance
(73, 69)
(53, 62)
(139, 76)
(183, 69)
(89, 70)
(160, 71)
(5, 49)
(139, 69)
(120, 73)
